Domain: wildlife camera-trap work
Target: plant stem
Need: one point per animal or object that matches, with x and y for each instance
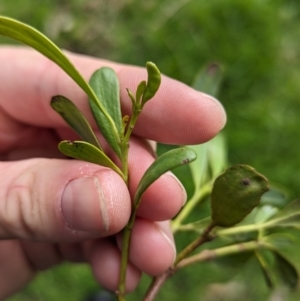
(125, 255)
(158, 282)
(120, 297)
(194, 200)
(244, 228)
(204, 237)
(128, 229)
(194, 226)
(125, 143)
(206, 255)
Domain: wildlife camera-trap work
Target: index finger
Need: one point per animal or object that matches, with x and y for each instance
(177, 114)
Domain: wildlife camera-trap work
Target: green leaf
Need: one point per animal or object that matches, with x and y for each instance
(208, 79)
(212, 154)
(211, 160)
(199, 168)
(275, 198)
(74, 117)
(263, 213)
(105, 84)
(153, 82)
(131, 97)
(161, 165)
(289, 216)
(217, 155)
(235, 193)
(28, 35)
(268, 217)
(140, 90)
(285, 243)
(87, 152)
(287, 271)
(264, 258)
(285, 248)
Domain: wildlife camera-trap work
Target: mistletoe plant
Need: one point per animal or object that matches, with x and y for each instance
(233, 194)
(104, 100)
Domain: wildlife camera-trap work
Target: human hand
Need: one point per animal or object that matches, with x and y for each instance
(53, 210)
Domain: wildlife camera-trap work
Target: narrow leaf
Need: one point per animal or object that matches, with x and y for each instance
(275, 197)
(265, 261)
(153, 82)
(263, 213)
(74, 117)
(211, 160)
(199, 168)
(140, 90)
(285, 244)
(289, 216)
(131, 97)
(208, 79)
(30, 36)
(287, 272)
(105, 84)
(217, 155)
(212, 153)
(162, 164)
(284, 247)
(87, 152)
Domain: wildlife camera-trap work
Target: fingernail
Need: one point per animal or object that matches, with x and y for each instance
(83, 205)
(184, 195)
(164, 229)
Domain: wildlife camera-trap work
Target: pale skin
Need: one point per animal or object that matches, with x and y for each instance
(54, 209)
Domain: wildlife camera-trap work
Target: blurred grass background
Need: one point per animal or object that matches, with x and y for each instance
(256, 42)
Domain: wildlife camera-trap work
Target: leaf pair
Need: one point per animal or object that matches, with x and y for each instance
(90, 149)
(104, 83)
(146, 90)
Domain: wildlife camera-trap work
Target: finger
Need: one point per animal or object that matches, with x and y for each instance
(105, 259)
(41, 255)
(60, 200)
(152, 251)
(15, 270)
(152, 248)
(18, 140)
(177, 114)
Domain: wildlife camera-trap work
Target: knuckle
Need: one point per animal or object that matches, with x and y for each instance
(21, 208)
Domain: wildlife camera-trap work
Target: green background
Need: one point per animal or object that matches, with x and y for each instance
(257, 44)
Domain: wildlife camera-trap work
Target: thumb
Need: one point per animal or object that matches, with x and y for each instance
(60, 200)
